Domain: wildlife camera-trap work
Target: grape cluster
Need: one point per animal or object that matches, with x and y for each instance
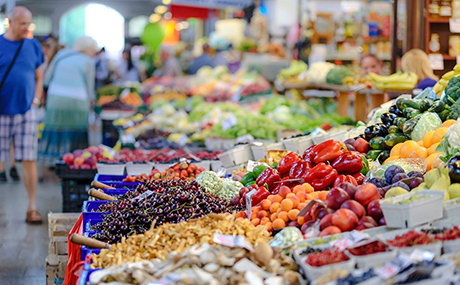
(170, 201)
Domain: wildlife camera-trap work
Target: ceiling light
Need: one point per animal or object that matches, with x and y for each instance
(154, 18)
(166, 2)
(167, 15)
(161, 9)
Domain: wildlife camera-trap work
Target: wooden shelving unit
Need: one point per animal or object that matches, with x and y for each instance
(440, 26)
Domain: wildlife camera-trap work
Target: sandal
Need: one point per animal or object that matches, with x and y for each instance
(34, 217)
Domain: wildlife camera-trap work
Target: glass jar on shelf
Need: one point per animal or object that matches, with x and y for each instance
(434, 45)
(445, 9)
(433, 8)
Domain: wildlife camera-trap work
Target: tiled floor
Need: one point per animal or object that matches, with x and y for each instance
(23, 247)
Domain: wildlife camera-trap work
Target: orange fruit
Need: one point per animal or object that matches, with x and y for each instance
(420, 143)
(277, 198)
(255, 222)
(407, 147)
(427, 139)
(290, 195)
(299, 188)
(293, 214)
(391, 158)
(448, 123)
(301, 220)
(265, 204)
(302, 196)
(429, 160)
(438, 135)
(287, 205)
(273, 217)
(283, 215)
(301, 205)
(278, 224)
(264, 220)
(253, 216)
(262, 214)
(395, 150)
(270, 198)
(322, 195)
(436, 161)
(256, 208)
(269, 226)
(419, 152)
(308, 188)
(284, 191)
(295, 201)
(432, 148)
(274, 207)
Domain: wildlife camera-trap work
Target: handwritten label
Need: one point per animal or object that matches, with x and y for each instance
(249, 203)
(232, 241)
(252, 164)
(183, 139)
(458, 59)
(419, 255)
(350, 240)
(229, 122)
(454, 25)
(396, 265)
(436, 61)
(143, 196)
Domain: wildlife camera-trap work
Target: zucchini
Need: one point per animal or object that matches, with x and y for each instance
(377, 143)
(393, 139)
(373, 154)
(384, 155)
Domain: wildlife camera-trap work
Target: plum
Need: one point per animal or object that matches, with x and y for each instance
(398, 177)
(415, 174)
(392, 171)
(401, 184)
(378, 182)
(416, 182)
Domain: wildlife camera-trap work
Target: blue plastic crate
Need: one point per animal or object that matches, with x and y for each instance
(124, 185)
(89, 207)
(84, 276)
(87, 251)
(109, 178)
(89, 223)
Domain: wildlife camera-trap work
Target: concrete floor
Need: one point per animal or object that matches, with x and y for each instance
(23, 247)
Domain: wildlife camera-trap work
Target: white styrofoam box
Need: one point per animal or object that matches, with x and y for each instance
(206, 164)
(299, 144)
(216, 165)
(335, 135)
(415, 213)
(162, 166)
(227, 144)
(111, 169)
(451, 208)
(139, 168)
(259, 152)
(213, 144)
(372, 260)
(238, 155)
(451, 245)
(432, 247)
(313, 273)
(235, 168)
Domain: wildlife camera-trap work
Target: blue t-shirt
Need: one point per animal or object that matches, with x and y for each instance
(17, 93)
(426, 82)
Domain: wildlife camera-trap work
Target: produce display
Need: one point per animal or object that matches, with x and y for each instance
(411, 238)
(406, 80)
(159, 241)
(370, 248)
(179, 171)
(326, 257)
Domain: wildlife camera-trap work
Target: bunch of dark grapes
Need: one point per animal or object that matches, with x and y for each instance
(172, 201)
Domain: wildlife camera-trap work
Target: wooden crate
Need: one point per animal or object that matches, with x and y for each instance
(50, 273)
(59, 225)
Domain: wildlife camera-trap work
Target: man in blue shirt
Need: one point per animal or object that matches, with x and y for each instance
(21, 88)
(203, 60)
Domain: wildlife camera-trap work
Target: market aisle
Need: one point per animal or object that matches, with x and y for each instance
(24, 248)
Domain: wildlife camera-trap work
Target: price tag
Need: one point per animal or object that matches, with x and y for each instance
(350, 240)
(454, 25)
(249, 203)
(436, 61)
(236, 96)
(229, 122)
(252, 164)
(128, 138)
(232, 241)
(124, 93)
(143, 196)
(420, 255)
(458, 59)
(396, 265)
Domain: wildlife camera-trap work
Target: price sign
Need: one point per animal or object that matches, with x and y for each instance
(229, 122)
(458, 59)
(396, 265)
(350, 240)
(454, 25)
(436, 61)
(420, 255)
(249, 203)
(182, 140)
(252, 164)
(143, 195)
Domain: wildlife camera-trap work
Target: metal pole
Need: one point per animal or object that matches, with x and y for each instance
(394, 36)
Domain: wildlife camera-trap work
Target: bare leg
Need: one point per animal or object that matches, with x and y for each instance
(12, 160)
(30, 182)
(2, 166)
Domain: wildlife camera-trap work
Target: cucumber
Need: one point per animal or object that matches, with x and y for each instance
(373, 154)
(383, 156)
(377, 143)
(399, 122)
(393, 139)
(394, 130)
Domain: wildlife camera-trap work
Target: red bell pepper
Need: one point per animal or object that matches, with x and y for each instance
(359, 178)
(321, 176)
(309, 154)
(328, 151)
(268, 176)
(345, 178)
(299, 169)
(349, 162)
(260, 194)
(286, 163)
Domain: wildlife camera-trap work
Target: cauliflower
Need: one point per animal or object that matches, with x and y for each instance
(450, 144)
(210, 181)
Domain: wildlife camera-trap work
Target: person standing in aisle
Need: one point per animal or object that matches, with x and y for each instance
(127, 70)
(70, 79)
(21, 89)
(371, 63)
(170, 66)
(203, 60)
(418, 62)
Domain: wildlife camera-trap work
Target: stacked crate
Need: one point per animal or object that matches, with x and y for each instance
(59, 226)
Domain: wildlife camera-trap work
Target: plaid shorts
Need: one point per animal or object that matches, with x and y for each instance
(22, 129)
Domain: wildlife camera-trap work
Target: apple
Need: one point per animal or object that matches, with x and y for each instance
(91, 161)
(78, 161)
(68, 158)
(349, 188)
(85, 166)
(77, 152)
(336, 197)
(332, 230)
(293, 224)
(306, 225)
(374, 210)
(345, 219)
(382, 222)
(367, 193)
(323, 212)
(92, 149)
(86, 154)
(354, 206)
(325, 222)
(366, 222)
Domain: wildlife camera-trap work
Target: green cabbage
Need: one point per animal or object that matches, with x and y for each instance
(428, 122)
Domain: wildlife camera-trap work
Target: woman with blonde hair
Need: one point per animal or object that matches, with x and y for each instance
(417, 61)
(70, 79)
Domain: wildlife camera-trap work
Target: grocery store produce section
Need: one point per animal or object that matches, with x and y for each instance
(272, 190)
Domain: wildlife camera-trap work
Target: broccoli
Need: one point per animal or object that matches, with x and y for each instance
(454, 111)
(452, 91)
(337, 74)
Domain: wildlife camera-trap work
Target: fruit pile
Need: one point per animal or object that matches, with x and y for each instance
(395, 177)
(329, 256)
(85, 158)
(163, 155)
(161, 201)
(279, 210)
(179, 171)
(370, 248)
(411, 238)
(450, 234)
